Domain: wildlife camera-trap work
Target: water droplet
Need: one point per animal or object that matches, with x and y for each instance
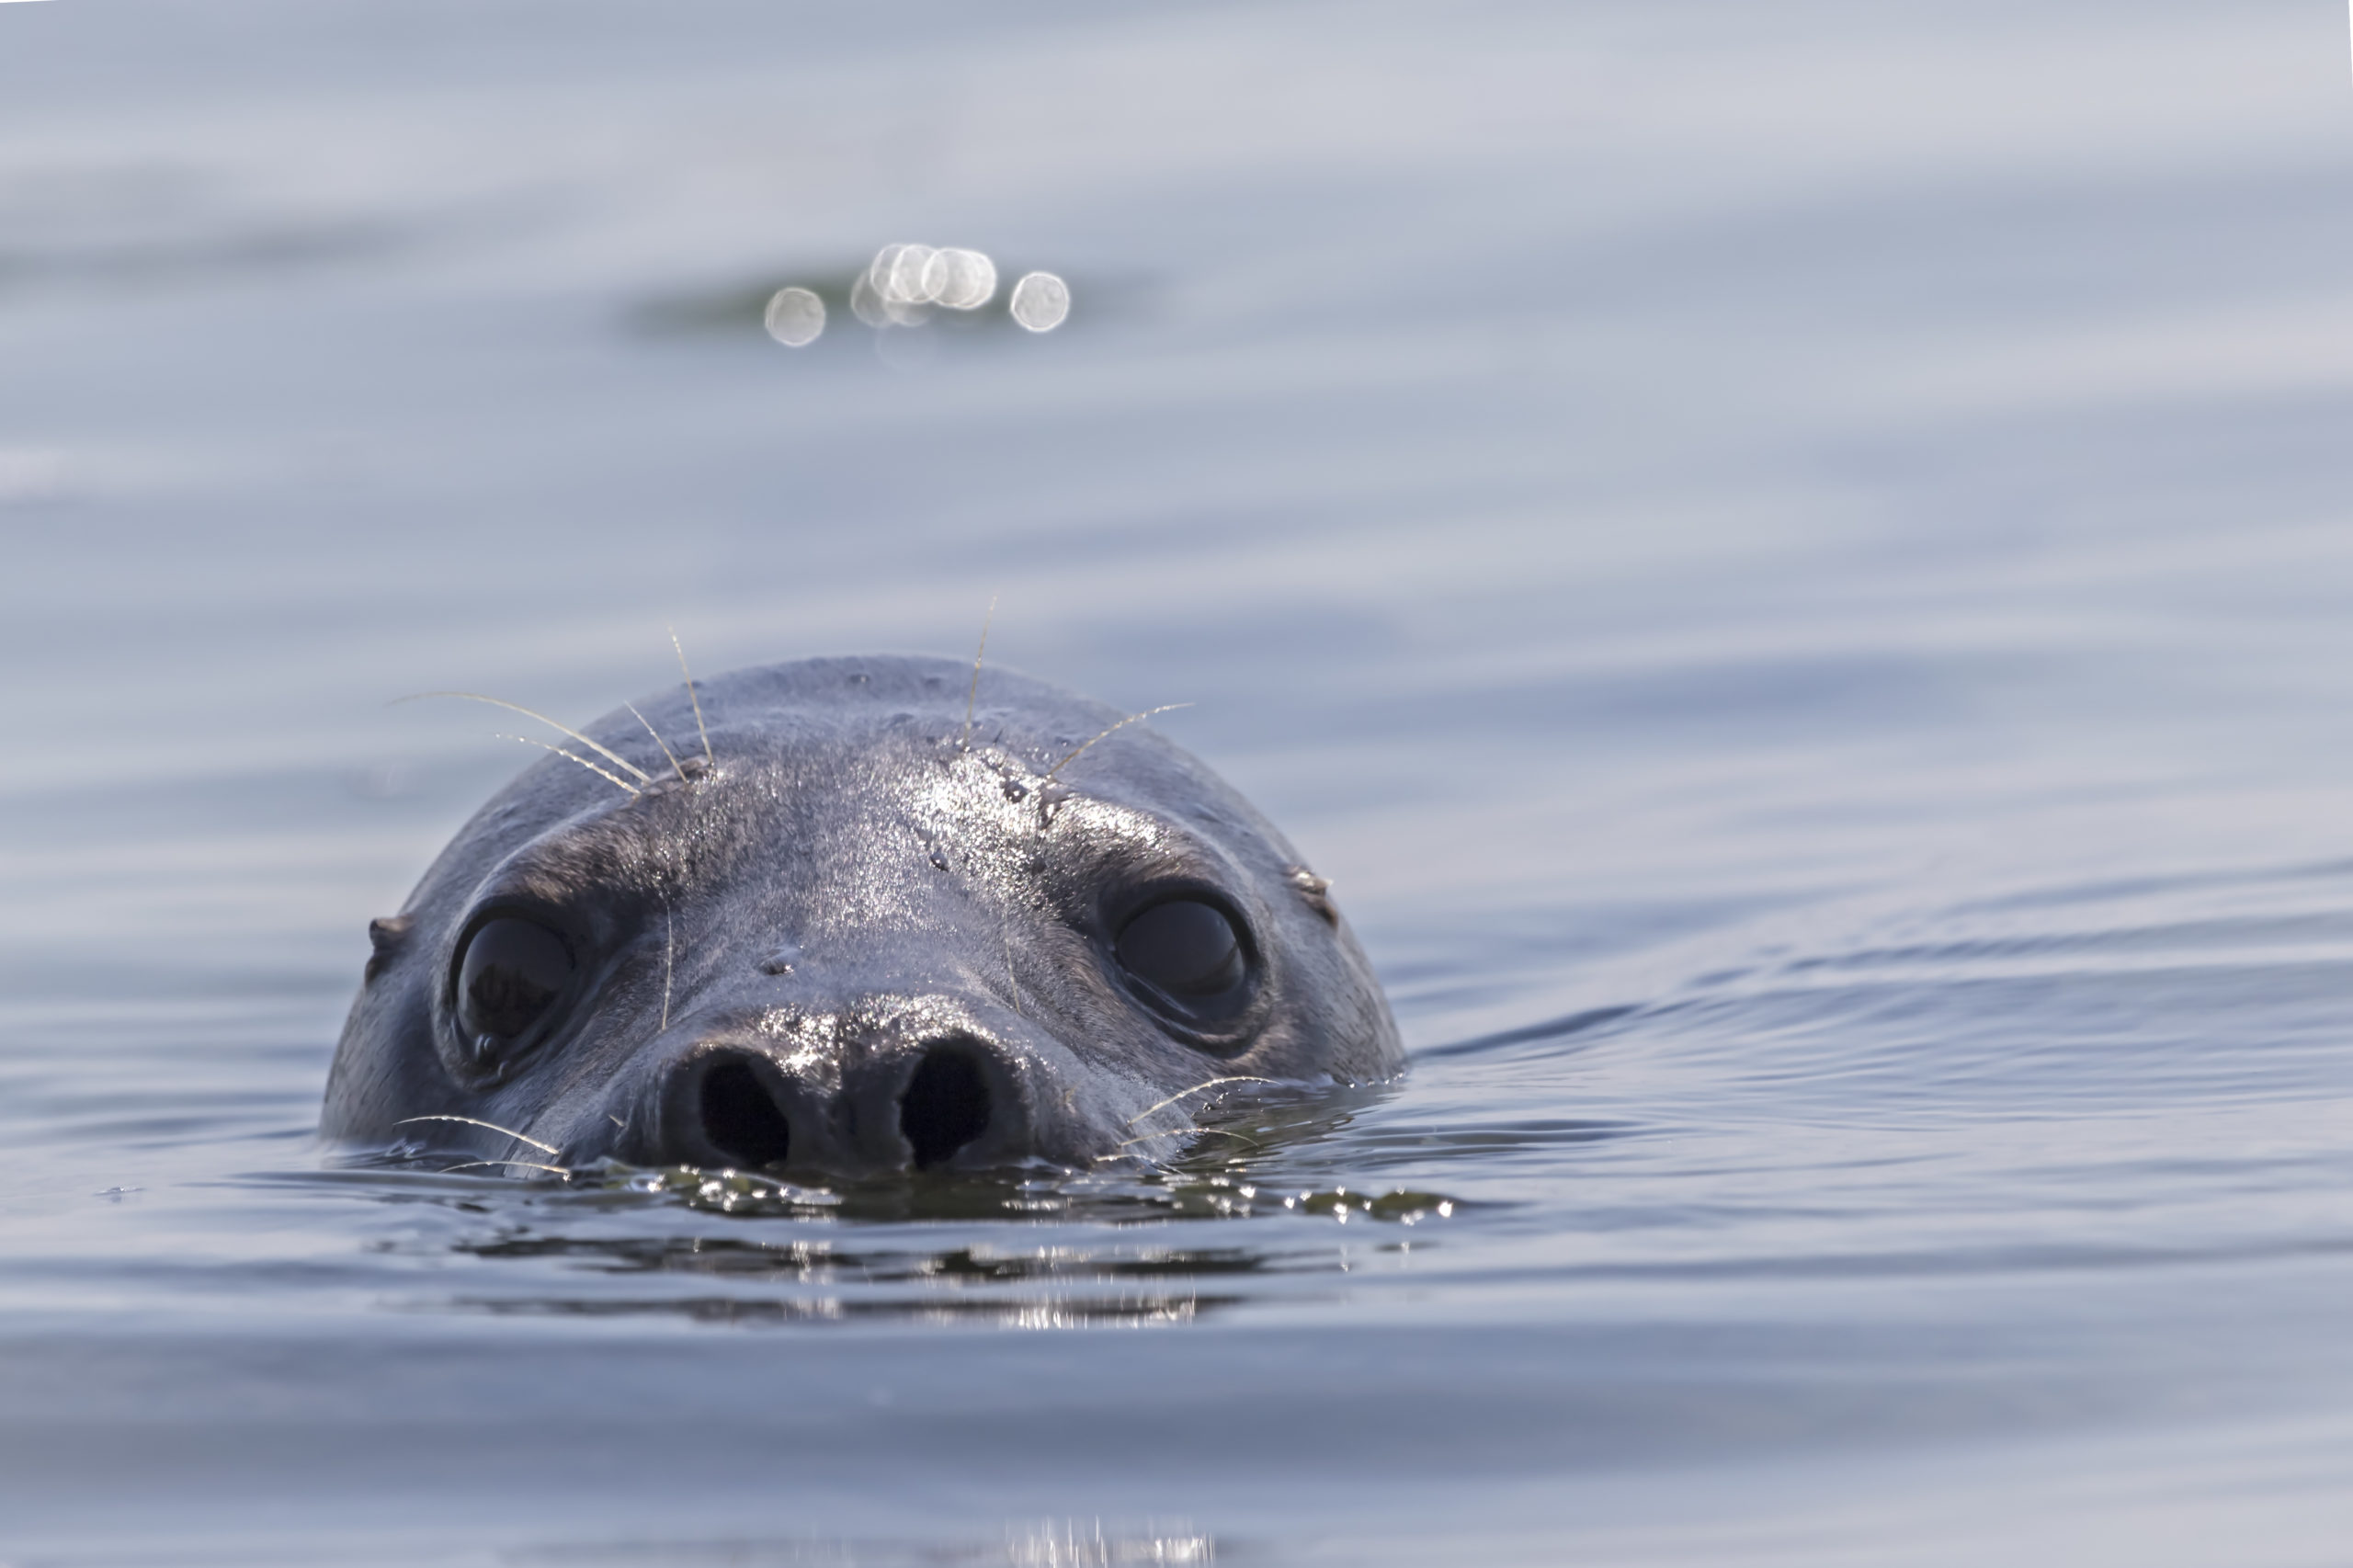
(1041, 301)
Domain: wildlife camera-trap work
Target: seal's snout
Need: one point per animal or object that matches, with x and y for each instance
(739, 1106)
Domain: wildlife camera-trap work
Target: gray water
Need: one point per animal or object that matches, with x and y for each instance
(1790, 563)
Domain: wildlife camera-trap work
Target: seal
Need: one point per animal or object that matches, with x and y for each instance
(854, 916)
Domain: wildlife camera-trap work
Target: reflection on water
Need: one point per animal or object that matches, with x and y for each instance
(1125, 1311)
(793, 1254)
(1051, 1543)
(1062, 1543)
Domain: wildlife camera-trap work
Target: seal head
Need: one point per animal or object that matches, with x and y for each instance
(854, 935)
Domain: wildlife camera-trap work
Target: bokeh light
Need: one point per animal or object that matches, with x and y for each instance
(1041, 301)
(960, 279)
(904, 284)
(795, 317)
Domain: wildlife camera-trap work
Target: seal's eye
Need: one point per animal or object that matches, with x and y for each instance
(513, 973)
(1188, 950)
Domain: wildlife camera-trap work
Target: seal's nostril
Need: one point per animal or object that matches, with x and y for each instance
(740, 1118)
(946, 1105)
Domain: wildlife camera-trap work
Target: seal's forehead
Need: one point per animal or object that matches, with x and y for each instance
(840, 712)
(835, 742)
(851, 700)
(865, 814)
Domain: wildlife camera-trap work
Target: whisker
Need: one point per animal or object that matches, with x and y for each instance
(1195, 1089)
(669, 952)
(1163, 708)
(692, 696)
(503, 1164)
(657, 739)
(972, 698)
(606, 752)
(475, 1121)
(1189, 1133)
(1148, 1137)
(632, 790)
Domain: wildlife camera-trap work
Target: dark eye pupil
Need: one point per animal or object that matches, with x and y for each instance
(1185, 946)
(514, 972)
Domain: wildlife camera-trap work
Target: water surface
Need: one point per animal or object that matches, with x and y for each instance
(1792, 567)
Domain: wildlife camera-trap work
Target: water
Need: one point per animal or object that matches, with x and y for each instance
(1792, 569)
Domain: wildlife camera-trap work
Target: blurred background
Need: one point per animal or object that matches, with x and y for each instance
(1791, 562)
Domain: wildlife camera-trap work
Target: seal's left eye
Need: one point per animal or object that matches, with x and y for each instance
(513, 973)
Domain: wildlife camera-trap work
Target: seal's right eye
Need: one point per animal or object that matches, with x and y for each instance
(514, 972)
(1188, 951)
